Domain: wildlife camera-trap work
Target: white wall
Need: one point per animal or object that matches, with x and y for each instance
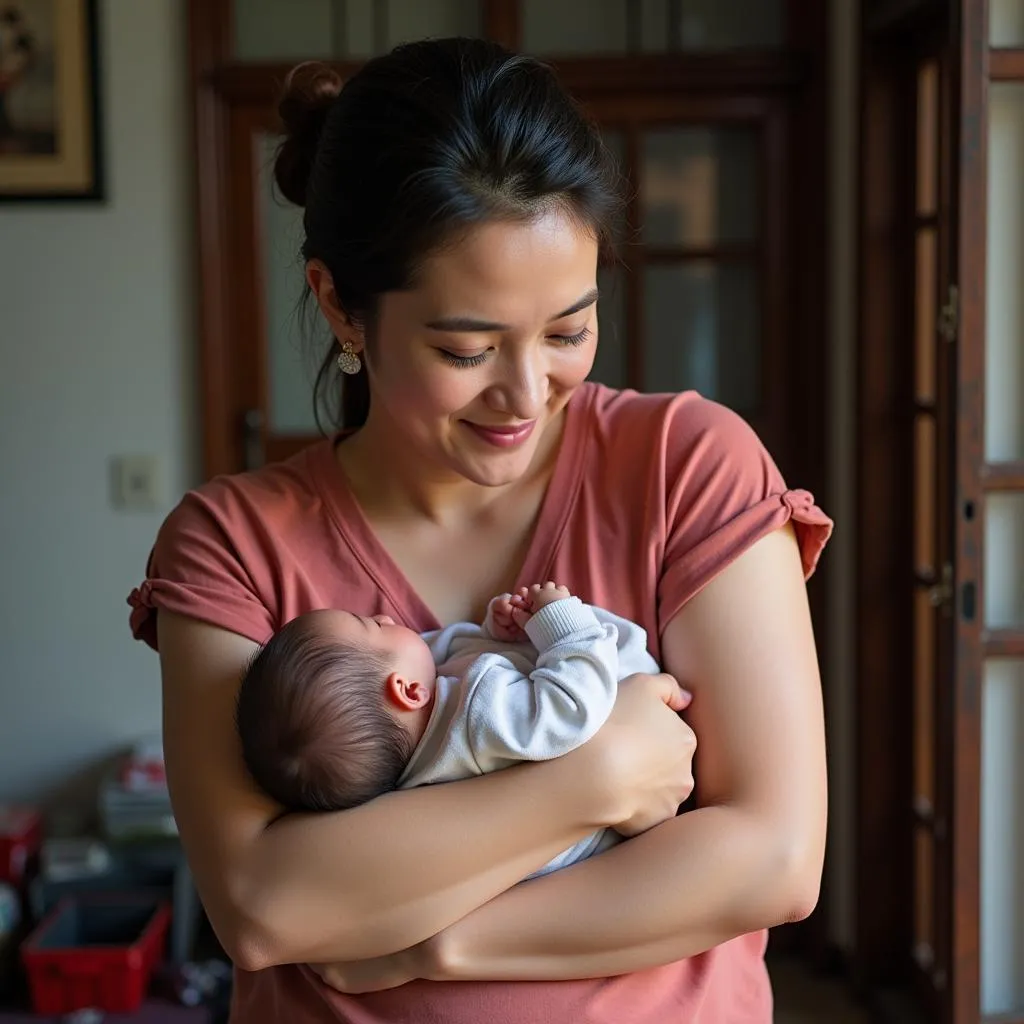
(96, 343)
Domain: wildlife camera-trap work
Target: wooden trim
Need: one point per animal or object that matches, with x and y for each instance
(278, 447)
(633, 280)
(762, 73)
(622, 77)
(1006, 65)
(501, 22)
(1003, 643)
(887, 16)
(780, 388)
(1003, 476)
(883, 864)
(727, 252)
(797, 235)
(970, 138)
(209, 37)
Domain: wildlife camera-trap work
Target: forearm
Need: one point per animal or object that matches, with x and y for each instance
(401, 868)
(681, 888)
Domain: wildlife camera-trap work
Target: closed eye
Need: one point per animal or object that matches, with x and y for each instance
(572, 339)
(464, 361)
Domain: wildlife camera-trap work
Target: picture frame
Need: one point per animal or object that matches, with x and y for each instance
(50, 144)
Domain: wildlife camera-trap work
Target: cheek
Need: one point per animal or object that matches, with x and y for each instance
(428, 391)
(574, 364)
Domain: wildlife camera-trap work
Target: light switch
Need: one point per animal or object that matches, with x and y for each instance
(137, 484)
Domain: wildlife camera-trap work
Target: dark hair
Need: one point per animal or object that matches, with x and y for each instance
(315, 734)
(420, 144)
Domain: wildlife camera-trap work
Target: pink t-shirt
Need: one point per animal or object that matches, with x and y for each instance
(652, 496)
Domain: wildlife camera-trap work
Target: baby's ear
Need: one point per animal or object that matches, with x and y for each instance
(418, 693)
(406, 694)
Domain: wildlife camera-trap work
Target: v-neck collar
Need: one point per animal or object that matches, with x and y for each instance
(556, 507)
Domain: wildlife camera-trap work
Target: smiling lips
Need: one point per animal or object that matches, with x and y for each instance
(502, 437)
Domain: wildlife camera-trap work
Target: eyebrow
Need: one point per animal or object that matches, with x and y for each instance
(471, 325)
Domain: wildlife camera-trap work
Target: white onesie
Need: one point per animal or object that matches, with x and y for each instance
(498, 703)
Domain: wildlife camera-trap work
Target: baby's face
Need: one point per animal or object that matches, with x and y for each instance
(402, 648)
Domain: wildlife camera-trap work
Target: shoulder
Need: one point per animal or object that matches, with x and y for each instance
(233, 506)
(692, 479)
(229, 552)
(680, 437)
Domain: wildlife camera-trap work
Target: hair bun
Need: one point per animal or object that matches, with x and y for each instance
(309, 91)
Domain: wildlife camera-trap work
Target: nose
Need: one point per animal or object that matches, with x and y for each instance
(521, 389)
(384, 620)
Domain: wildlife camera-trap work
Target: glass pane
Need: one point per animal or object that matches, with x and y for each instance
(701, 328)
(925, 334)
(1004, 271)
(286, 29)
(728, 24)
(655, 25)
(414, 19)
(924, 697)
(1006, 22)
(575, 26)
(698, 186)
(925, 495)
(610, 366)
(1002, 838)
(927, 137)
(924, 896)
(1004, 561)
(316, 29)
(290, 374)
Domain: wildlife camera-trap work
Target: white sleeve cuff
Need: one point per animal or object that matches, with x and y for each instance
(560, 620)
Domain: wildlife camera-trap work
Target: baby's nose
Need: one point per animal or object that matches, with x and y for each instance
(384, 620)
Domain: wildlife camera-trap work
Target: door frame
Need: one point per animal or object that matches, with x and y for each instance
(884, 529)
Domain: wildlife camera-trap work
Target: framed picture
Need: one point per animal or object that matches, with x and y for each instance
(49, 110)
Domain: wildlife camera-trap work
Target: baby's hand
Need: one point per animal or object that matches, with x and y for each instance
(503, 623)
(527, 601)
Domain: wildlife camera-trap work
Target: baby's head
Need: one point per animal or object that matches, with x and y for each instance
(332, 707)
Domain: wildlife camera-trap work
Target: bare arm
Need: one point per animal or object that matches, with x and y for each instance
(749, 857)
(337, 886)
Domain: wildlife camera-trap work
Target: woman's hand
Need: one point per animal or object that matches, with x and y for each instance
(356, 977)
(645, 752)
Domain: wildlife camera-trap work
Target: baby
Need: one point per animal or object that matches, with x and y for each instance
(339, 708)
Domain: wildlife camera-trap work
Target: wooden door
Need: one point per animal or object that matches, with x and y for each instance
(933, 419)
(939, 455)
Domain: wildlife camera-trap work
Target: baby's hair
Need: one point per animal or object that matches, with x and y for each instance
(314, 730)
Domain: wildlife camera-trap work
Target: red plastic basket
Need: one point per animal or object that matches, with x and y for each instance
(20, 837)
(95, 951)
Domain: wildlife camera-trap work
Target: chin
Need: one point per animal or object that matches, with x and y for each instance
(496, 470)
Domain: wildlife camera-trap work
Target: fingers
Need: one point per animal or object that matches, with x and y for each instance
(539, 595)
(521, 616)
(677, 698)
(666, 687)
(671, 692)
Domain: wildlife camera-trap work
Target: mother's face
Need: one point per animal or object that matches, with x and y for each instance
(470, 367)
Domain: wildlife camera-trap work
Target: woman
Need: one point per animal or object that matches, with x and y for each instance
(455, 204)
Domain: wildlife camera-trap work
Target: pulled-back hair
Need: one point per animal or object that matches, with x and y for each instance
(314, 730)
(419, 145)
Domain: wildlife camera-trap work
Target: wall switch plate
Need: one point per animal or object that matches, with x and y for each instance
(137, 484)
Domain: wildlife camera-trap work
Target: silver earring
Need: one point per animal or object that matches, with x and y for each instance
(348, 359)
